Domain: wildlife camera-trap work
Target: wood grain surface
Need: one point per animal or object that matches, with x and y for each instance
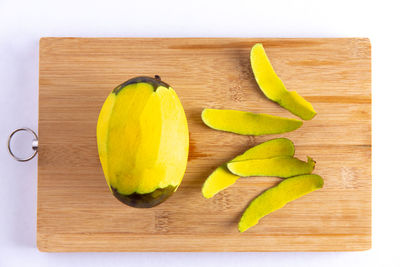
(76, 211)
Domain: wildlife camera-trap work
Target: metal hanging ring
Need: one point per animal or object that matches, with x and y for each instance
(35, 144)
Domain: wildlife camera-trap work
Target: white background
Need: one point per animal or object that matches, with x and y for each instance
(22, 23)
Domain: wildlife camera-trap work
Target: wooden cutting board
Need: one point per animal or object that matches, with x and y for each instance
(76, 211)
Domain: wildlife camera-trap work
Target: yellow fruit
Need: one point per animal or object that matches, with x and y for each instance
(273, 87)
(277, 197)
(143, 141)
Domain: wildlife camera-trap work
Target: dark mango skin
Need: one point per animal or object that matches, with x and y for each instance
(161, 194)
(155, 82)
(145, 200)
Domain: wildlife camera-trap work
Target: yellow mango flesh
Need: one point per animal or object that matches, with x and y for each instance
(283, 166)
(277, 197)
(247, 123)
(222, 178)
(143, 139)
(273, 88)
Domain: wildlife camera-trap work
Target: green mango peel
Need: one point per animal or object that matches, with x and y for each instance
(277, 197)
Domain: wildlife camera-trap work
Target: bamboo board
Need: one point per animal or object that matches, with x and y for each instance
(76, 211)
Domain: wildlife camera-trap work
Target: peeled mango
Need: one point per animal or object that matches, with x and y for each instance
(273, 88)
(143, 141)
(277, 197)
(222, 178)
(248, 123)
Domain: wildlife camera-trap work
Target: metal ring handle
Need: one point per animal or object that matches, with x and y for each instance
(35, 144)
